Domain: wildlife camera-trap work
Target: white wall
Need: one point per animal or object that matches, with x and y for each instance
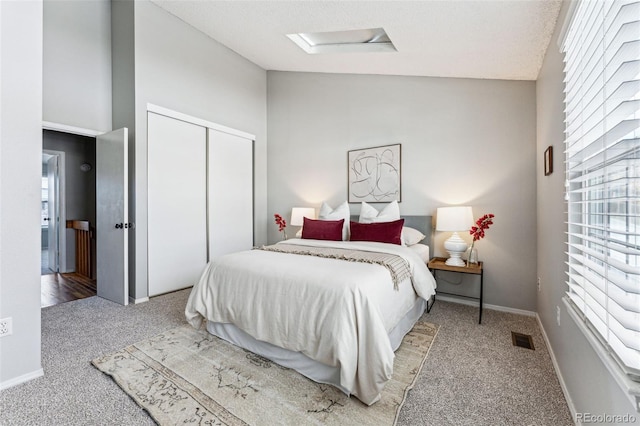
(180, 68)
(590, 386)
(463, 141)
(77, 63)
(20, 187)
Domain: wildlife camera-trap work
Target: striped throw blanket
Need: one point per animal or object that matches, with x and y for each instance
(396, 265)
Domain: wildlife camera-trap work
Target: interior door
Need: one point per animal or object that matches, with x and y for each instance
(112, 216)
(52, 207)
(230, 186)
(177, 203)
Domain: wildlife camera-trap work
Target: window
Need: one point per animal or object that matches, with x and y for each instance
(602, 116)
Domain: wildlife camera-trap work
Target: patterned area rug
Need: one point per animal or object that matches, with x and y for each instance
(189, 376)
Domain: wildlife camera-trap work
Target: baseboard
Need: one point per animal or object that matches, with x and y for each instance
(461, 301)
(556, 367)
(510, 310)
(21, 379)
(136, 301)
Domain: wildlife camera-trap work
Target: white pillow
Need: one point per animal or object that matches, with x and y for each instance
(369, 214)
(340, 212)
(411, 236)
(422, 251)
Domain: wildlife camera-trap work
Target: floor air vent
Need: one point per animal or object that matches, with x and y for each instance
(522, 340)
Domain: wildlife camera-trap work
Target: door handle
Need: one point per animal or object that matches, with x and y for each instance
(119, 226)
(130, 225)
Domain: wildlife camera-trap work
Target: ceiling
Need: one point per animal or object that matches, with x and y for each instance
(449, 38)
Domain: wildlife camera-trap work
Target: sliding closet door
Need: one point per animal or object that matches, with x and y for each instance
(177, 209)
(230, 193)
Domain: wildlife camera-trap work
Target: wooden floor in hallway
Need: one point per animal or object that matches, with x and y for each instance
(60, 288)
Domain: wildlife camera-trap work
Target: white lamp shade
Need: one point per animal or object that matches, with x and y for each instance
(299, 213)
(458, 218)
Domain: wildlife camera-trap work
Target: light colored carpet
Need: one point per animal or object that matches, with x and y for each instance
(187, 376)
(472, 376)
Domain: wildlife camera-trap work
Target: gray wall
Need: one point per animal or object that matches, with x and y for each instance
(463, 141)
(590, 386)
(145, 55)
(77, 63)
(80, 187)
(180, 68)
(20, 187)
(123, 89)
(77, 71)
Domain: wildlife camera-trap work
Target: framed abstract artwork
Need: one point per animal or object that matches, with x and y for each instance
(374, 174)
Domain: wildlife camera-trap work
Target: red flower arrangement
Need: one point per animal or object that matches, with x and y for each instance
(282, 224)
(482, 224)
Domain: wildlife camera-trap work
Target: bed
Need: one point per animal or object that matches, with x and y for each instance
(334, 321)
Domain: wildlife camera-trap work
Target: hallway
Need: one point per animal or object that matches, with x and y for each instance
(60, 288)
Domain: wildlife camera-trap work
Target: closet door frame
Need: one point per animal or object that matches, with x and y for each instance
(198, 121)
(151, 108)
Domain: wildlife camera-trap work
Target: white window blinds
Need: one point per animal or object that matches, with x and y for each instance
(602, 116)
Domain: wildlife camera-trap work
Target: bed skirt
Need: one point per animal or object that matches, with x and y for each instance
(298, 361)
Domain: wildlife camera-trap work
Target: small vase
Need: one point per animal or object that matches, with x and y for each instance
(472, 256)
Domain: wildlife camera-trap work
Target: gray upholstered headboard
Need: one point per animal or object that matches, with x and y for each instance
(423, 224)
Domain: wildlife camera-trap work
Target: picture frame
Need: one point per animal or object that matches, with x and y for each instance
(374, 174)
(548, 161)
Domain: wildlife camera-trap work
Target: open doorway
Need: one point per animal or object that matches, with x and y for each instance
(50, 214)
(68, 199)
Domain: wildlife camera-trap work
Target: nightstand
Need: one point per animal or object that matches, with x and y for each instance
(438, 264)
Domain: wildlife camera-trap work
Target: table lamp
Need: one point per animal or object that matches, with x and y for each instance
(458, 218)
(299, 213)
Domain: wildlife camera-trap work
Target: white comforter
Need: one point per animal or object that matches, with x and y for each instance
(336, 312)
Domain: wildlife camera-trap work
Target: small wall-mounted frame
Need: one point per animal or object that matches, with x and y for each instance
(548, 161)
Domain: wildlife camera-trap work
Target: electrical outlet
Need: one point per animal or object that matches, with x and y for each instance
(6, 327)
(538, 283)
(558, 315)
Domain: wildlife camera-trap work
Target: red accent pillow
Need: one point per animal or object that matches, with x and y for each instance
(381, 232)
(322, 229)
